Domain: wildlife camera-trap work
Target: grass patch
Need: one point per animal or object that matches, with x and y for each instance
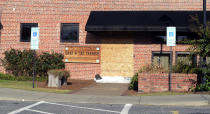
(27, 85)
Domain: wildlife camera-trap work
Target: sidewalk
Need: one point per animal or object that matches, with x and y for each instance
(100, 89)
(181, 100)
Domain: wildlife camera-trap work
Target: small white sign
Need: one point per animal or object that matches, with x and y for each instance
(34, 38)
(171, 36)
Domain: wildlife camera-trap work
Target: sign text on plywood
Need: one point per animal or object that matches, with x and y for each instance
(82, 54)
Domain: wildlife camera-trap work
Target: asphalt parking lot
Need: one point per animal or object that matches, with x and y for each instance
(42, 107)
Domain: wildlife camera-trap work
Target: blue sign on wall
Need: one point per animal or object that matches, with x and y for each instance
(34, 34)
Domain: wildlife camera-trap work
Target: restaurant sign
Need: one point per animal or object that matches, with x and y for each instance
(82, 54)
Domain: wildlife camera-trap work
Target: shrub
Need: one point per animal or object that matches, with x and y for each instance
(153, 69)
(202, 87)
(205, 86)
(182, 67)
(49, 61)
(20, 78)
(134, 82)
(20, 63)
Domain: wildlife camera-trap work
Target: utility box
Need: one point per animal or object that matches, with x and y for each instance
(53, 80)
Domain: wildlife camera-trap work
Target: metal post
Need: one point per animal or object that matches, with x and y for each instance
(204, 36)
(204, 15)
(34, 66)
(170, 69)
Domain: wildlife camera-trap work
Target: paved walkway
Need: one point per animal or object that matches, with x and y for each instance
(101, 89)
(22, 95)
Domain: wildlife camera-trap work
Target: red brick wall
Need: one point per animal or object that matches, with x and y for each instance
(50, 13)
(83, 71)
(143, 53)
(158, 82)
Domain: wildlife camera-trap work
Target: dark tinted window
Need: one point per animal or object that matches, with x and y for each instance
(208, 60)
(25, 35)
(185, 58)
(69, 32)
(160, 37)
(161, 59)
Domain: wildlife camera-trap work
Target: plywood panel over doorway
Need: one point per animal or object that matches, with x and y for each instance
(117, 57)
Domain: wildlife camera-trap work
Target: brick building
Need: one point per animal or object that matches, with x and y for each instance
(124, 47)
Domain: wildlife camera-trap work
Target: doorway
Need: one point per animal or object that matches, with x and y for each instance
(117, 57)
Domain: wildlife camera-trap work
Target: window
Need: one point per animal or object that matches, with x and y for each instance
(182, 38)
(184, 57)
(161, 59)
(208, 60)
(69, 32)
(160, 37)
(25, 33)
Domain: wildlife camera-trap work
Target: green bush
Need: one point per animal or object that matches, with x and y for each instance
(49, 61)
(202, 87)
(182, 67)
(20, 63)
(205, 86)
(134, 82)
(20, 78)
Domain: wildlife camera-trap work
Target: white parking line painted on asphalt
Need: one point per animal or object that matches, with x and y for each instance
(25, 108)
(39, 111)
(126, 109)
(102, 110)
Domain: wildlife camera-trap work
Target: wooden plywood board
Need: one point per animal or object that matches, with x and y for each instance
(117, 57)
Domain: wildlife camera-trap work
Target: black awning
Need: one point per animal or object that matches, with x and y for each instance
(140, 20)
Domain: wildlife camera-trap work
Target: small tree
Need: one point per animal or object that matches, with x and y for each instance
(201, 45)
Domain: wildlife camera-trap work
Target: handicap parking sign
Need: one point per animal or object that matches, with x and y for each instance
(171, 36)
(34, 38)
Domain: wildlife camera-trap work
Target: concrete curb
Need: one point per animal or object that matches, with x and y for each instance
(116, 101)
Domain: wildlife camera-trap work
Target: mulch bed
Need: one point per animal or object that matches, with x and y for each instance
(76, 85)
(130, 93)
(72, 84)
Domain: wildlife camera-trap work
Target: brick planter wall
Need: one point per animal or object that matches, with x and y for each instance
(158, 82)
